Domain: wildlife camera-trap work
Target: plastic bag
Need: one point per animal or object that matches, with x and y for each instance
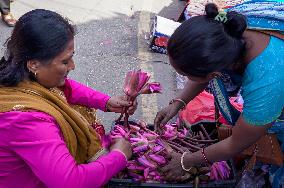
(250, 180)
(202, 108)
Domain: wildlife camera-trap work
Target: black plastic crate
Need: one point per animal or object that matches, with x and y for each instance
(220, 183)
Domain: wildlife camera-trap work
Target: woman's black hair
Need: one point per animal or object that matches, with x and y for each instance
(202, 45)
(39, 34)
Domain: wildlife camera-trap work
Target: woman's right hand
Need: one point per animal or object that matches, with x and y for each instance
(122, 145)
(191, 90)
(164, 115)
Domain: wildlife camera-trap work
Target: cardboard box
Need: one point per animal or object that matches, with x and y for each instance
(162, 29)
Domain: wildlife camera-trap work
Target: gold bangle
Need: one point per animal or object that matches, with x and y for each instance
(179, 100)
(182, 165)
(97, 155)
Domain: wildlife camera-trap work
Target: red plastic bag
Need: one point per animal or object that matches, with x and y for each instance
(202, 108)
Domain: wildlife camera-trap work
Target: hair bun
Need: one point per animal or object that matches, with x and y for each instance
(236, 24)
(211, 10)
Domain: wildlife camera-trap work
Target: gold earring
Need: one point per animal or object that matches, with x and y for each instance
(35, 74)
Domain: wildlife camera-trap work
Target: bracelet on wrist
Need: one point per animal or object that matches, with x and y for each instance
(180, 101)
(205, 158)
(182, 163)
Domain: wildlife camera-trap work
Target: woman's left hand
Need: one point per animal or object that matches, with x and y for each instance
(173, 171)
(118, 103)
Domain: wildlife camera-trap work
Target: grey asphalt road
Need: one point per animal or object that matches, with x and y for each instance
(110, 41)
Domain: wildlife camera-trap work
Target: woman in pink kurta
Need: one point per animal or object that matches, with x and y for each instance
(33, 152)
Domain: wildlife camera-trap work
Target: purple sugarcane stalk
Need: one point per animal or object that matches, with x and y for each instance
(202, 141)
(205, 132)
(178, 145)
(190, 145)
(176, 148)
(174, 143)
(194, 143)
(201, 135)
(160, 151)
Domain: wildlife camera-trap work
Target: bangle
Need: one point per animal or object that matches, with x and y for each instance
(205, 158)
(179, 100)
(182, 165)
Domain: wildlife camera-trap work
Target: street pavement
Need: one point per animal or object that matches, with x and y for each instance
(111, 40)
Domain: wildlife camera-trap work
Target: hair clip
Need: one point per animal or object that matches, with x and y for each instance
(221, 17)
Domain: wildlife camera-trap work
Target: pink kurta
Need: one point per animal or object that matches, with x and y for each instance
(34, 154)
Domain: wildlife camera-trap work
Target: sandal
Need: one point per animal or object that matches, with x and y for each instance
(9, 19)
